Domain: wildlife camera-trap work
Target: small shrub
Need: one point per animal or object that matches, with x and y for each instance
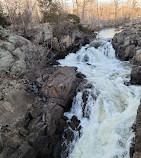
(84, 29)
(53, 14)
(75, 19)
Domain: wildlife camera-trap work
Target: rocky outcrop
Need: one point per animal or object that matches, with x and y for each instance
(137, 149)
(31, 111)
(137, 57)
(15, 53)
(136, 75)
(59, 51)
(126, 42)
(13, 102)
(128, 48)
(61, 86)
(127, 45)
(60, 44)
(34, 97)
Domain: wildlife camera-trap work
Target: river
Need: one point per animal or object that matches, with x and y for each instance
(111, 106)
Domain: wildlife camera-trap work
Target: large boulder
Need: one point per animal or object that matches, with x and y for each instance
(126, 42)
(15, 53)
(6, 61)
(137, 57)
(127, 46)
(137, 149)
(31, 111)
(136, 75)
(13, 103)
(61, 85)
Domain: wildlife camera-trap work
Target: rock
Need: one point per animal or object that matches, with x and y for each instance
(129, 53)
(137, 58)
(67, 39)
(32, 102)
(118, 40)
(1, 95)
(68, 134)
(125, 43)
(53, 118)
(18, 67)
(42, 142)
(7, 46)
(84, 98)
(16, 53)
(136, 75)
(61, 85)
(46, 34)
(7, 152)
(55, 44)
(86, 58)
(24, 151)
(15, 104)
(74, 122)
(6, 61)
(137, 153)
(19, 54)
(139, 42)
(18, 41)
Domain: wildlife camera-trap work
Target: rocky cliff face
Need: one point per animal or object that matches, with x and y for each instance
(15, 53)
(60, 44)
(31, 111)
(128, 48)
(34, 96)
(137, 149)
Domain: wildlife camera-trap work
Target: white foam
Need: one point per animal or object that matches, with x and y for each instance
(108, 132)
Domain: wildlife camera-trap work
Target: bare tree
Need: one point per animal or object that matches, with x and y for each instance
(116, 7)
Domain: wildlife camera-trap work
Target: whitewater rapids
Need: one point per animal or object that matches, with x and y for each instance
(107, 132)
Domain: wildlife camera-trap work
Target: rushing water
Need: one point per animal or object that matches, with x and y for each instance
(111, 105)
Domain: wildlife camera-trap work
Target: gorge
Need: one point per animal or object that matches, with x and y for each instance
(109, 112)
(78, 103)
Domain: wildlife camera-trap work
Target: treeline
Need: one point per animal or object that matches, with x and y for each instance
(29, 13)
(98, 14)
(25, 14)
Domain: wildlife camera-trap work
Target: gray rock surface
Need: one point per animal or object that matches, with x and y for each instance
(28, 123)
(137, 153)
(15, 53)
(128, 47)
(137, 58)
(136, 75)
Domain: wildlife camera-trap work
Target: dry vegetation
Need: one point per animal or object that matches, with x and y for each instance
(116, 12)
(27, 14)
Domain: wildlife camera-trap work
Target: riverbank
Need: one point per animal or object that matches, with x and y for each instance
(128, 48)
(34, 94)
(108, 112)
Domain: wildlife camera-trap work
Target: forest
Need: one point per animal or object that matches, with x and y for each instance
(95, 14)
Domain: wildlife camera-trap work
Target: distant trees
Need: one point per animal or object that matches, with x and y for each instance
(98, 14)
(134, 6)
(51, 11)
(20, 12)
(24, 13)
(116, 7)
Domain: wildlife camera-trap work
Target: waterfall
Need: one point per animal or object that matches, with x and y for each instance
(111, 106)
